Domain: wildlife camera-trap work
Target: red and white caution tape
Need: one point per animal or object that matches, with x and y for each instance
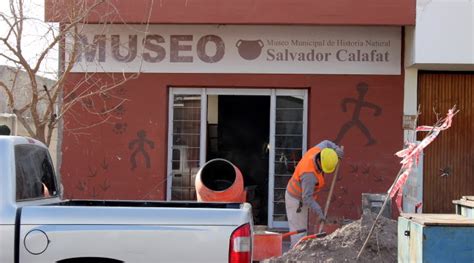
(411, 155)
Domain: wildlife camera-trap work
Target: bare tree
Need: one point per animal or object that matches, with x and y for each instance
(46, 105)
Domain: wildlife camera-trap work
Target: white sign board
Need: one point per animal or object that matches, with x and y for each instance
(239, 49)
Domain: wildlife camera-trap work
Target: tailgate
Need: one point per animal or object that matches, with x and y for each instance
(129, 234)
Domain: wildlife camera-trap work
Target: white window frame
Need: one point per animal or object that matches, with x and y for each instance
(204, 92)
(271, 167)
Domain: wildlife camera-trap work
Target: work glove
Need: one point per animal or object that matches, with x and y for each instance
(339, 151)
(322, 218)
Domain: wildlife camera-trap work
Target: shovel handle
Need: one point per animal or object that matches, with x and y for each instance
(293, 233)
(328, 201)
(319, 235)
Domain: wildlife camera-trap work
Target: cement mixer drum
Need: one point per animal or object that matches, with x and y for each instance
(219, 180)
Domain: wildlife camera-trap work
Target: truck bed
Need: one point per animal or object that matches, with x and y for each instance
(136, 212)
(131, 231)
(122, 203)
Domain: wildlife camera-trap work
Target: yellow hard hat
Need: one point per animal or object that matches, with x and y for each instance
(329, 160)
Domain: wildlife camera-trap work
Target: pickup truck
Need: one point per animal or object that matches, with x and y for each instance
(37, 225)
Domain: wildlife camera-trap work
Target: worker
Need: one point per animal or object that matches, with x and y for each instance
(4, 130)
(307, 180)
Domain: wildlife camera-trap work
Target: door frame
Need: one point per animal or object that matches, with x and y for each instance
(204, 92)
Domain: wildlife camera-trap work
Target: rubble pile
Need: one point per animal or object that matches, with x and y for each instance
(344, 244)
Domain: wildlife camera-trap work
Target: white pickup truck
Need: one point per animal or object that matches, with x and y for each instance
(36, 225)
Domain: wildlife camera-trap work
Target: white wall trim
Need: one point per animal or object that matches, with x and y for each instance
(169, 172)
(203, 132)
(271, 159)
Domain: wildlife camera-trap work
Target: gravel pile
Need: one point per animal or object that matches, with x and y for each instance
(344, 244)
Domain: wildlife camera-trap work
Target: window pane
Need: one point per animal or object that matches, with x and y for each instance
(187, 113)
(288, 142)
(281, 180)
(289, 115)
(280, 218)
(190, 140)
(34, 173)
(284, 168)
(289, 127)
(279, 195)
(186, 145)
(280, 208)
(185, 126)
(284, 102)
(288, 147)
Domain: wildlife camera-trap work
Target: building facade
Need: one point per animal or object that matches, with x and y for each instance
(254, 82)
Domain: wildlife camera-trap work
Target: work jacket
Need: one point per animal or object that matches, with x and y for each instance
(306, 165)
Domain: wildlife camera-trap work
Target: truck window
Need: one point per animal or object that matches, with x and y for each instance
(34, 173)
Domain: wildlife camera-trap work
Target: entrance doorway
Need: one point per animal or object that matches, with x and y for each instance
(241, 135)
(261, 131)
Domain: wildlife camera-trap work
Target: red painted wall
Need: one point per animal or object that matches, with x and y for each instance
(311, 12)
(96, 149)
(96, 161)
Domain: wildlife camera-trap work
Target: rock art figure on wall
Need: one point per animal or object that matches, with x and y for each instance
(139, 146)
(359, 103)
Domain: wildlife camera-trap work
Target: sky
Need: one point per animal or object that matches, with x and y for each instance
(35, 36)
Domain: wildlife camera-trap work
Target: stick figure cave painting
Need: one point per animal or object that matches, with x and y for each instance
(139, 146)
(359, 103)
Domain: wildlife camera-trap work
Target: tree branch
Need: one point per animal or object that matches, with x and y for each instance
(63, 33)
(24, 123)
(9, 58)
(11, 101)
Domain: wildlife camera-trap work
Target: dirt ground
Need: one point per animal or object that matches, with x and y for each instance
(344, 244)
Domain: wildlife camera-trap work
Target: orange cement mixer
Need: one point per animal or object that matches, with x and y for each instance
(219, 180)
